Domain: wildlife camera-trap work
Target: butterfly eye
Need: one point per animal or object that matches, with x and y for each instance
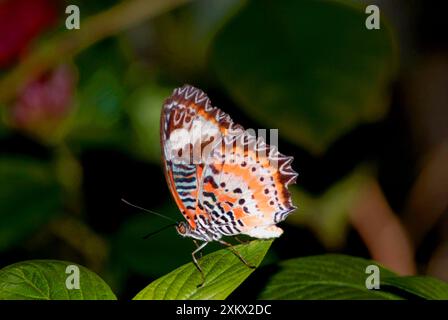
(181, 228)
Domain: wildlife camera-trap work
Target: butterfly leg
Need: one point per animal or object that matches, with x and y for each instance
(231, 248)
(196, 263)
(241, 241)
(197, 246)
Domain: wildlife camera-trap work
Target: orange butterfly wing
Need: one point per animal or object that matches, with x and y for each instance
(248, 195)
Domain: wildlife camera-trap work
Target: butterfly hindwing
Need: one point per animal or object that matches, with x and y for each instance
(246, 185)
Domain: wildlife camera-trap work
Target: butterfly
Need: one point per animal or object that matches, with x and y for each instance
(224, 180)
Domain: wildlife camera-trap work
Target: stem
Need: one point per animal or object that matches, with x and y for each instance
(382, 231)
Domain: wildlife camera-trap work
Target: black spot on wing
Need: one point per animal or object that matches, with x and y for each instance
(209, 179)
(210, 195)
(208, 204)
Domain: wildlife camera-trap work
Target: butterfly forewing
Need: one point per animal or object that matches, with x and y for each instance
(189, 129)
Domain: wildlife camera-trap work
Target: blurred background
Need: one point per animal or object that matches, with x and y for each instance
(363, 112)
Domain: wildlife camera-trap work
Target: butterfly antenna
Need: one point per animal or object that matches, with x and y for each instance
(149, 211)
(157, 231)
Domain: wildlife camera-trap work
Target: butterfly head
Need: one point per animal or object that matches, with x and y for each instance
(185, 230)
(182, 228)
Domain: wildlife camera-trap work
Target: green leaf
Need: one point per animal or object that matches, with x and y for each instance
(325, 277)
(328, 214)
(29, 197)
(186, 33)
(224, 272)
(422, 286)
(46, 280)
(130, 252)
(309, 68)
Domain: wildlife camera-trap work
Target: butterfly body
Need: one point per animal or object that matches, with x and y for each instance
(224, 180)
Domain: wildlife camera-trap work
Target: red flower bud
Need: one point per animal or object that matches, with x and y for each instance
(20, 22)
(45, 102)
